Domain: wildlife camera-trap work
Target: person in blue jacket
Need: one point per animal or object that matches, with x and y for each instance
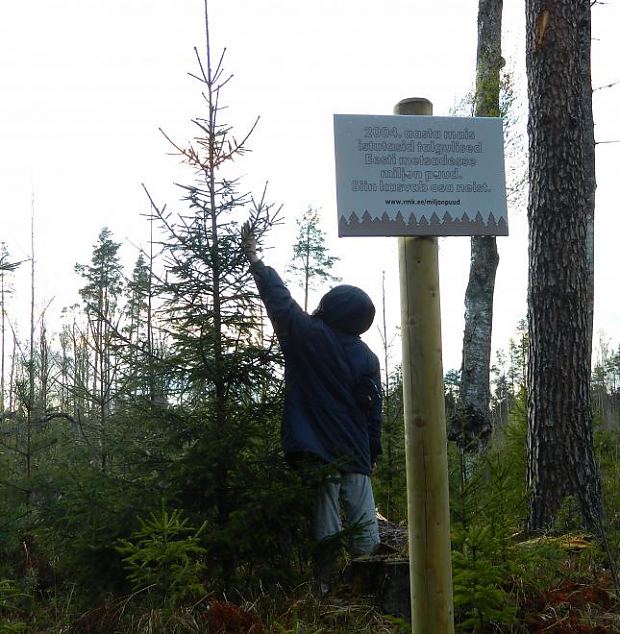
(332, 403)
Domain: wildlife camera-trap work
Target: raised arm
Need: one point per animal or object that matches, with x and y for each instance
(284, 312)
(248, 243)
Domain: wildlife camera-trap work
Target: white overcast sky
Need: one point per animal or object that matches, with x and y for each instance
(85, 85)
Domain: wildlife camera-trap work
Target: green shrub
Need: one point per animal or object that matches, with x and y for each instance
(488, 505)
(165, 556)
(480, 575)
(81, 514)
(14, 602)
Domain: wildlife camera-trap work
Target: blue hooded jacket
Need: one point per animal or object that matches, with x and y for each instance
(325, 363)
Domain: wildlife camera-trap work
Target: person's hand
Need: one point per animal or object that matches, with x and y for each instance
(373, 468)
(248, 242)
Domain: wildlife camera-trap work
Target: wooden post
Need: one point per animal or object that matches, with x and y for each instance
(430, 565)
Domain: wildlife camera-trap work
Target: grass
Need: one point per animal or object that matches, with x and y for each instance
(556, 591)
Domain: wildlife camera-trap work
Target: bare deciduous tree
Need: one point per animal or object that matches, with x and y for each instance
(470, 426)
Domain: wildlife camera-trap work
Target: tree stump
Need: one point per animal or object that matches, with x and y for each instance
(386, 578)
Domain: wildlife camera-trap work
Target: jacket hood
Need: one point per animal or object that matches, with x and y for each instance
(346, 308)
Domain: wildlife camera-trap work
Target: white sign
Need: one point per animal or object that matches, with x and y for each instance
(420, 175)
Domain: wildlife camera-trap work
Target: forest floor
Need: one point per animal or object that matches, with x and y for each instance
(583, 599)
(368, 595)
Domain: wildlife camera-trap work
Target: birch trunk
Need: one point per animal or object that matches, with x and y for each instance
(471, 425)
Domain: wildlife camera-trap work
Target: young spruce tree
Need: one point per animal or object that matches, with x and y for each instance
(311, 259)
(226, 395)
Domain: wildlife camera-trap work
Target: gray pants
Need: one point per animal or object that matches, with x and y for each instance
(355, 492)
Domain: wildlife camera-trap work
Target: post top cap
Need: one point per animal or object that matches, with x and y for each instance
(414, 100)
(414, 105)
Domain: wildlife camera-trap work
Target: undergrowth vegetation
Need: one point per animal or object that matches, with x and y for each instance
(143, 489)
(96, 569)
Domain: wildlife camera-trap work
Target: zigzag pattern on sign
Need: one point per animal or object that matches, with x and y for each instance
(423, 226)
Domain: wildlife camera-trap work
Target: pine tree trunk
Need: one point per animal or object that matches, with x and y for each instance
(585, 80)
(471, 425)
(560, 447)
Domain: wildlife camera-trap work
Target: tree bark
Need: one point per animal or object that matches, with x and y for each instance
(471, 424)
(559, 444)
(585, 82)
